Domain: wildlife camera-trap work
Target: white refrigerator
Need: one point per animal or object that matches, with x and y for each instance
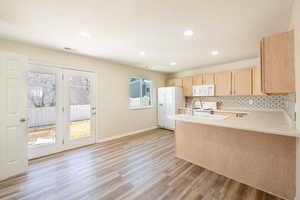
(169, 100)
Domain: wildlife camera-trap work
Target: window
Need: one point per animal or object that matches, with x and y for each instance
(140, 93)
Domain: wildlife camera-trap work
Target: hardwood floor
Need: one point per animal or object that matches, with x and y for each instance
(141, 168)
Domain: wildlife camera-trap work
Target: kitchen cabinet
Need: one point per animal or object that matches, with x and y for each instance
(187, 86)
(256, 81)
(169, 83)
(208, 79)
(223, 83)
(242, 82)
(277, 61)
(198, 80)
(176, 82)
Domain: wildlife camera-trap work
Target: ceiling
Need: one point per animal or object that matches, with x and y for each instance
(118, 30)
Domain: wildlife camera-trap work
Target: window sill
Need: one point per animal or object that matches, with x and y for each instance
(140, 108)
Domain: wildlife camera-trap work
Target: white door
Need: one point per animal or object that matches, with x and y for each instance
(13, 138)
(79, 108)
(61, 110)
(43, 108)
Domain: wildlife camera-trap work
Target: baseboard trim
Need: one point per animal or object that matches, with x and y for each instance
(126, 134)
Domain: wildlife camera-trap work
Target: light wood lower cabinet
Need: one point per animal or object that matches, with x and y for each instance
(223, 83)
(277, 61)
(187, 86)
(242, 82)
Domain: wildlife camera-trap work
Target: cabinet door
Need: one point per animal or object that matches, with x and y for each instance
(277, 57)
(169, 83)
(198, 80)
(178, 82)
(209, 79)
(256, 82)
(223, 84)
(187, 86)
(175, 82)
(242, 82)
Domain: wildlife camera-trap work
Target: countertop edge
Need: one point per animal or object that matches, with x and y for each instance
(261, 130)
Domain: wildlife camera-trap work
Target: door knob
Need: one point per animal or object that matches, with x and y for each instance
(23, 120)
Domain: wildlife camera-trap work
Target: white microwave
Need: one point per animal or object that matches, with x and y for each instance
(203, 90)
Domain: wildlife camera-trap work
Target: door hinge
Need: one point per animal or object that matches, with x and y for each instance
(62, 77)
(63, 109)
(63, 141)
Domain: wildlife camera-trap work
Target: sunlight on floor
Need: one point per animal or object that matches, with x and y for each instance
(80, 129)
(46, 134)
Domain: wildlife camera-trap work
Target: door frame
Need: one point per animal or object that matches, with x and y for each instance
(61, 112)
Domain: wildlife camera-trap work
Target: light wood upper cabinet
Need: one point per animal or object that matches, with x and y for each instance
(198, 80)
(256, 82)
(208, 79)
(223, 84)
(176, 82)
(277, 61)
(169, 83)
(242, 82)
(187, 86)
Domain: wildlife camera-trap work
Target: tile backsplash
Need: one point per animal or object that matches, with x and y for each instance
(286, 103)
(290, 103)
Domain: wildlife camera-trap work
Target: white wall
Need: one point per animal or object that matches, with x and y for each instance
(295, 24)
(217, 68)
(114, 117)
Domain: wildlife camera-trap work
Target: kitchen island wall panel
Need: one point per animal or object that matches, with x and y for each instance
(264, 161)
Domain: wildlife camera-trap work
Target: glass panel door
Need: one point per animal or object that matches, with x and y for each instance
(61, 110)
(41, 108)
(44, 115)
(80, 108)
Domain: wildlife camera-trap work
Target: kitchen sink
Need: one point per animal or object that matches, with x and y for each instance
(208, 115)
(218, 115)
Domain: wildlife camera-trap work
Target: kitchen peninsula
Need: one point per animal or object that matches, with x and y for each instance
(257, 149)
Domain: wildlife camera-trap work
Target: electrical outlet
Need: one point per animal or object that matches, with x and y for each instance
(251, 102)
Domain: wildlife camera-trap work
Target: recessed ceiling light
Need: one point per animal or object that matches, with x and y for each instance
(142, 53)
(173, 63)
(215, 52)
(188, 33)
(84, 34)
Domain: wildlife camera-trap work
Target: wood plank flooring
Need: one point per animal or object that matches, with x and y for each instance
(139, 168)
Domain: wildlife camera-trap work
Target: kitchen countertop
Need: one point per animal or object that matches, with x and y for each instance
(269, 122)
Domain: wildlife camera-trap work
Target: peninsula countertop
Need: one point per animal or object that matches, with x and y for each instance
(269, 122)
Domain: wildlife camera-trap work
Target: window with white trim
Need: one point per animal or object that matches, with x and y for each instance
(140, 93)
